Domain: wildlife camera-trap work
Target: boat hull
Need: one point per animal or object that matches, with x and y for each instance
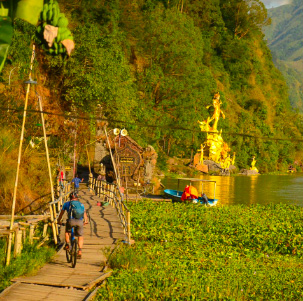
(175, 195)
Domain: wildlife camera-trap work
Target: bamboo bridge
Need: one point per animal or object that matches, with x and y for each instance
(57, 279)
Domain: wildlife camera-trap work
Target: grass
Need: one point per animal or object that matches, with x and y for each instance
(30, 260)
(190, 252)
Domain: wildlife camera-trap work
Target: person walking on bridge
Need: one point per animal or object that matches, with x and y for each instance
(76, 213)
(77, 182)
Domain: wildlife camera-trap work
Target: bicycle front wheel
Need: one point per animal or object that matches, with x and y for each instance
(74, 253)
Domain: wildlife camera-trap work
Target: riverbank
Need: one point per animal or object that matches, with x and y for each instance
(187, 251)
(180, 167)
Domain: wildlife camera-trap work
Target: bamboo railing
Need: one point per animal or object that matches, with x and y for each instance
(24, 226)
(110, 192)
(23, 229)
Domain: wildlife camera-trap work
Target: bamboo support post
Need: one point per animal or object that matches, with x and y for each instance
(91, 182)
(23, 234)
(102, 190)
(59, 204)
(55, 219)
(137, 194)
(124, 230)
(45, 226)
(126, 188)
(53, 225)
(111, 195)
(18, 242)
(9, 245)
(128, 226)
(31, 233)
(111, 155)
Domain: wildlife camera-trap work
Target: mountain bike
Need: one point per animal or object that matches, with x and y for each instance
(71, 253)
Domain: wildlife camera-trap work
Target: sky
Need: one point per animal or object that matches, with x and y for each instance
(275, 3)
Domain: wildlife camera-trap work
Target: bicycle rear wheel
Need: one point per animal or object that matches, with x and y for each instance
(68, 255)
(74, 253)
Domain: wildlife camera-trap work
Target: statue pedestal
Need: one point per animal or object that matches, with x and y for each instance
(199, 166)
(202, 167)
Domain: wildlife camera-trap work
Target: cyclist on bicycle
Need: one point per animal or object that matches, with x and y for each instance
(77, 223)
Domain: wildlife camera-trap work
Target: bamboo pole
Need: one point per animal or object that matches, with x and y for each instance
(137, 187)
(126, 189)
(31, 233)
(45, 229)
(111, 155)
(53, 224)
(54, 221)
(124, 226)
(128, 226)
(9, 245)
(75, 152)
(46, 150)
(88, 159)
(18, 242)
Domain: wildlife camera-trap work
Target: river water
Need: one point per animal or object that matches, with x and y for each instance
(260, 189)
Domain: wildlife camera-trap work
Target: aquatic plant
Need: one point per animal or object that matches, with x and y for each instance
(194, 252)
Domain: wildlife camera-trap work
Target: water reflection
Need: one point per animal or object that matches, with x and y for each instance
(224, 187)
(261, 189)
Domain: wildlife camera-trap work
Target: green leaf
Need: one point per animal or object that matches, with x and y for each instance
(6, 34)
(29, 10)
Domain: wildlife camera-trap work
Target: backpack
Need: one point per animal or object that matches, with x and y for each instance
(76, 209)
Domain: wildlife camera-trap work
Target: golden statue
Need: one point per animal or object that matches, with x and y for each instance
(214, 147)
(216, 116)
(204, 125)
(253, 163)
(201, 156)
(226, 162)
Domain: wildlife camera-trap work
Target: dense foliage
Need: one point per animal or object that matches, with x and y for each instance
(188, 251)
(153, 66)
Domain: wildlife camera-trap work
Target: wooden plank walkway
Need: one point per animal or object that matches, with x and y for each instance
(57, 280)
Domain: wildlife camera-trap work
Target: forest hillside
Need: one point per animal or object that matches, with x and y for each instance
(152, 67)
(285, 41)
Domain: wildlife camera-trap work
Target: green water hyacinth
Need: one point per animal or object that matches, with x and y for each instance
(191, 252)
(29, 10)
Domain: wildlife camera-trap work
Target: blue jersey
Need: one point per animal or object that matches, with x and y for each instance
(76, 181)
(67, 207)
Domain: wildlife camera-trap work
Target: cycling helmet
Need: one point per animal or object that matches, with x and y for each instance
(73, 195)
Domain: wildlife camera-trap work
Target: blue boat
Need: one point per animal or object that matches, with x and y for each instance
(175, 195)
